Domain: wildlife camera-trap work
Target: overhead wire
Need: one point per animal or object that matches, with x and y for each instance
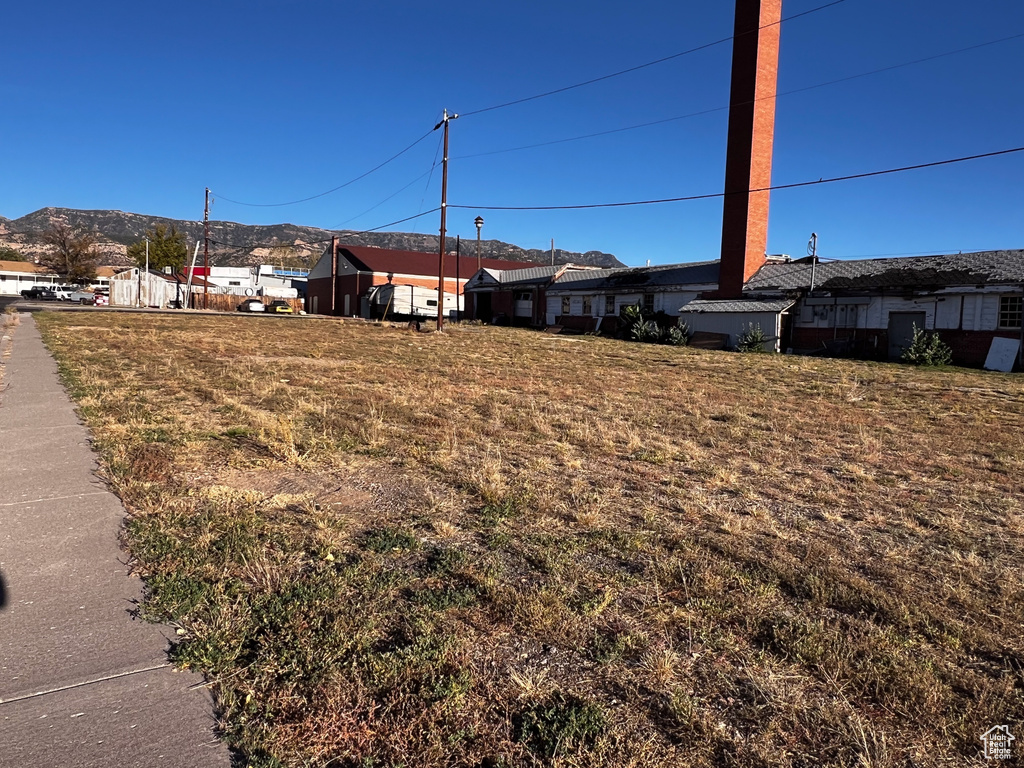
(712, 195)
(638, 67)
(250, 246)
(389, 197)
(333, 189)
(509, 103)
(744, 103)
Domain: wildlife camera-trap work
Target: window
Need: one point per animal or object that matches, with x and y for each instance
(609, 305)
(588, 305)
(523, 296)
(1010, 311)
(431, 302)
(648, 302)
(234, 282)
(566, 305)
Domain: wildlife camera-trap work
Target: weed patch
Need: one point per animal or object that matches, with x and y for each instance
(464, 552)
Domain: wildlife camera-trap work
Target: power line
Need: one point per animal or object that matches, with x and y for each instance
(400, 221)
(933, 252)
(713, 195)
(250, 246)
(334, 189)
(393, 194)
(662, 60)
(724, 108)
(430, 178)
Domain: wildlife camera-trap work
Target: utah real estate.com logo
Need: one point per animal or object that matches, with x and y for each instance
(997, 741)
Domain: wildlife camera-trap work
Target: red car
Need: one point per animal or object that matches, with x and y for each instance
(101, 299)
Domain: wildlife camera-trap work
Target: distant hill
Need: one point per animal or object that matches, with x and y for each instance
(249, 244)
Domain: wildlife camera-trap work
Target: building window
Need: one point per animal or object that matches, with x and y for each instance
(566, 305)
(234, 282)
(523, 296)
(588, 305)
(1010, 308)
(609, 305)
(648, 302)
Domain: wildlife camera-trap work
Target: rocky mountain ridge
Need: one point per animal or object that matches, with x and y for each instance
(250, 244)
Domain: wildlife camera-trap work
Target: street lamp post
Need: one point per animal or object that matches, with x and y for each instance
(479, 221)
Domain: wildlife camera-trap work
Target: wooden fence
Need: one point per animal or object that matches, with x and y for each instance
(226, 303)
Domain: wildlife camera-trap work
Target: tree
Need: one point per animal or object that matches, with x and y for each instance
(10, 254)
(166, 249)
(927, 348)
(74, 255)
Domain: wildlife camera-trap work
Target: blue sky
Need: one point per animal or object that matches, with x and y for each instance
(138, 107)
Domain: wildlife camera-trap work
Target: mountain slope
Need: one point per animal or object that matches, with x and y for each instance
(247, 244)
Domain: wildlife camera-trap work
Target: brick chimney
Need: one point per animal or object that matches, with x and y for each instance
(748, 163)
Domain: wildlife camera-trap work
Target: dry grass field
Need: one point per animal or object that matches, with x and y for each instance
(496, 548)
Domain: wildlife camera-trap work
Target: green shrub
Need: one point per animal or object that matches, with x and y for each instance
(560, 726)
(751, 339)
(677, 336)
(651, 327)
(926, 348)
(646, 331)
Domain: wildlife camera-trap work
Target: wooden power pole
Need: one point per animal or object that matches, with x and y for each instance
(206, 251)
(444, 210)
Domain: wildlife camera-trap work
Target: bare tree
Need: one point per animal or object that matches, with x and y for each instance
(74, 256)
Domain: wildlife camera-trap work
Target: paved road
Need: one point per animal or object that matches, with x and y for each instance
(82, 684)
(6, 301)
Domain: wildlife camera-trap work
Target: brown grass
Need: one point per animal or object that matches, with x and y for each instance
(493, 547)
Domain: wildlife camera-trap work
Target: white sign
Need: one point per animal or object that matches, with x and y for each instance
(1001, 354)
(998, 742)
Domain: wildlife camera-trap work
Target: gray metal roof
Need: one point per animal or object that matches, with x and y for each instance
(981, 268)
(640, 278)
(533, 275)
(528, 275)
(737, 305)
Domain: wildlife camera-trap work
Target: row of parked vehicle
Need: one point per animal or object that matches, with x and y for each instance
(278, 306)
(99, 296)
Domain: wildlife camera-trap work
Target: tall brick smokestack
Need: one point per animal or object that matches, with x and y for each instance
(748, 164)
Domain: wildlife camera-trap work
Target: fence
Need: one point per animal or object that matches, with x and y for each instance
(229, 303)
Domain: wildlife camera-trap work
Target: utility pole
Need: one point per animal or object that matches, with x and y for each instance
(206, 250)
(444, 210)
(334, 273)
(458, 275)
(479, 221)
(812, 250)
(552, 251)
(147, 277)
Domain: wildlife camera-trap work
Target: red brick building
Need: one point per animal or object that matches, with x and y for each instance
(356, 269)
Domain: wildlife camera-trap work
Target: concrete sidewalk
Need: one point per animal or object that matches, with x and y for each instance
(81, 682)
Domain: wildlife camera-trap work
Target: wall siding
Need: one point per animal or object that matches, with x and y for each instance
(734, 323)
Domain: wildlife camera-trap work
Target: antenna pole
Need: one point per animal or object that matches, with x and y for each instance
(813, 247)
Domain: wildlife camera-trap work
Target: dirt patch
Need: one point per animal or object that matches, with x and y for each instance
(373, 493)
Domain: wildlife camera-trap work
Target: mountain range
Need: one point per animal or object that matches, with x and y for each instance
(233, 244)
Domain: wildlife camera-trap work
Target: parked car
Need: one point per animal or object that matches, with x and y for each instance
(82, 296)
(43, 292)
(280, 307)
(63, 292)
(101, 297)
(251, 305)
